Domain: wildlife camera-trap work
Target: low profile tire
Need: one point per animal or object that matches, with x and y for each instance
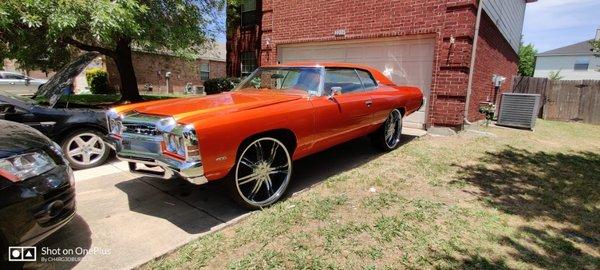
(85, 148)
(261, 174)
(388, 136)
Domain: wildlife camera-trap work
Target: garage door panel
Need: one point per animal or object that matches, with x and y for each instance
(405, 62)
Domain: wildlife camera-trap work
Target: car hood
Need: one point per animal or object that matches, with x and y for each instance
(228, 102)
(17, 138)
(54, 88)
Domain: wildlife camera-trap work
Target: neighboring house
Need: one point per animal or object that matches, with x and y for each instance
(424, 43)
(574, 62)
(151, 70)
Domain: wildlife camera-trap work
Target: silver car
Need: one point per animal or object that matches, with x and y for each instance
(18, 83)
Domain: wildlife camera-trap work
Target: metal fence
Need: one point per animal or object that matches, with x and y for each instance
(562, 99)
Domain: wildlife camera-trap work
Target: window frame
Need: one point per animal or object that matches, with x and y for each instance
(581, 62)
(207, 72)
(375, 84)
(253, 11)
(242, 59)
(325, 91)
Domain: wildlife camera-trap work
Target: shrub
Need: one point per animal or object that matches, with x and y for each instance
(218, 85)
(97, 79)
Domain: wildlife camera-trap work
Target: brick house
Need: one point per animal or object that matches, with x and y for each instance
(151, 70)
(428, 43)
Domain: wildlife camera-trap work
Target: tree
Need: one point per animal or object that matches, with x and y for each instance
(527, 60)
(596, 49)
(555, 76)
(44, 33)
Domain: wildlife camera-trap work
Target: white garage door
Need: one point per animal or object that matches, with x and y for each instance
(405, 62)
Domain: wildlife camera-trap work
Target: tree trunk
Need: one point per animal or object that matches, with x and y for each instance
(123, 60)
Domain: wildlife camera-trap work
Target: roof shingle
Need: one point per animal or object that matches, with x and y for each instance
(580, 48)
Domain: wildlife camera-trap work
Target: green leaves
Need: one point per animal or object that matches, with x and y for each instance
(527, 60)
(179, 27)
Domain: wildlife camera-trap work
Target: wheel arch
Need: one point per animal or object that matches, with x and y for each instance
(61, 136)
(402, 111)
(286, 136)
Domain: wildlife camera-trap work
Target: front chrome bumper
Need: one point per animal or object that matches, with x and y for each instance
(157, 165)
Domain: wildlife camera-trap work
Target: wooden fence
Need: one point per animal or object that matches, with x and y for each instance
(563, 100)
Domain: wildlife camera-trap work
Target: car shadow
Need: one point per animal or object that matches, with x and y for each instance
(211, 200)
(74, 237)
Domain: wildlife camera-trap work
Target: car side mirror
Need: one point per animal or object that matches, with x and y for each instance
(335, 91)
(27, 80)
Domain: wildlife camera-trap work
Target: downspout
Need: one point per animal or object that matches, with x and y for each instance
(472, 66)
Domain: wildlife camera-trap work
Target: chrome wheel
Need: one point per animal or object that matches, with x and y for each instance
(263, 172)
(85, 149)
(393, 129)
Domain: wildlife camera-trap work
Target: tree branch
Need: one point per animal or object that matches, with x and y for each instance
(87, 47)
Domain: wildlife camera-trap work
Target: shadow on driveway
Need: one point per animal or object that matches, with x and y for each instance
(212, 198)
(75, 236)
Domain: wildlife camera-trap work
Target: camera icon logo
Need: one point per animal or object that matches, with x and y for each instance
(22, 254)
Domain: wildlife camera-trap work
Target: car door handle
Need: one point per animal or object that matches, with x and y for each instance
(369, 103)
(11, 83)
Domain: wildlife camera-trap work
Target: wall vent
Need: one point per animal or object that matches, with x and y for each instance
(518, 110)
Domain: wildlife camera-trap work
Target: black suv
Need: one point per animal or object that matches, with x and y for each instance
(37, 194)
(79, 131)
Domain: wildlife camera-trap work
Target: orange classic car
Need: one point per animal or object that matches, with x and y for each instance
(251, 135)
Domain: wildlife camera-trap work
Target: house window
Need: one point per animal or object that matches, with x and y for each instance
(248, 63)
(204, 71)
(248, 13)
(582, 65)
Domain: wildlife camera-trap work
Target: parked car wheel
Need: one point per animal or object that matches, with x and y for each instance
(388, 136)
(85, 148)
(261, 174)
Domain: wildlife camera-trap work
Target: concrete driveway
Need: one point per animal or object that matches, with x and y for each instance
(124, 220)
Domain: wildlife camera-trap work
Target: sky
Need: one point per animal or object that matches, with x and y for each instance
(551, 24)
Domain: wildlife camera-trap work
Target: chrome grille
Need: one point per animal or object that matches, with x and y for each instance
(140, 128)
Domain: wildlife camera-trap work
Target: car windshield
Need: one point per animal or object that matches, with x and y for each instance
(307, 79)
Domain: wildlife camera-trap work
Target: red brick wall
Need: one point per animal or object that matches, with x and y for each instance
(296, 21)
(494, 56)
(151, 68)
(285, 22)
(247, 39)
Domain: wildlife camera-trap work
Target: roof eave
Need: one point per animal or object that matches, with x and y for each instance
(565, 54)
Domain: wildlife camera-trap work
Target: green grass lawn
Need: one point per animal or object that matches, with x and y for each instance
(503, 199)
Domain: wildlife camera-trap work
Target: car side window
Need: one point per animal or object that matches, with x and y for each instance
(13, 76)
(345, 78)
(367, 80)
